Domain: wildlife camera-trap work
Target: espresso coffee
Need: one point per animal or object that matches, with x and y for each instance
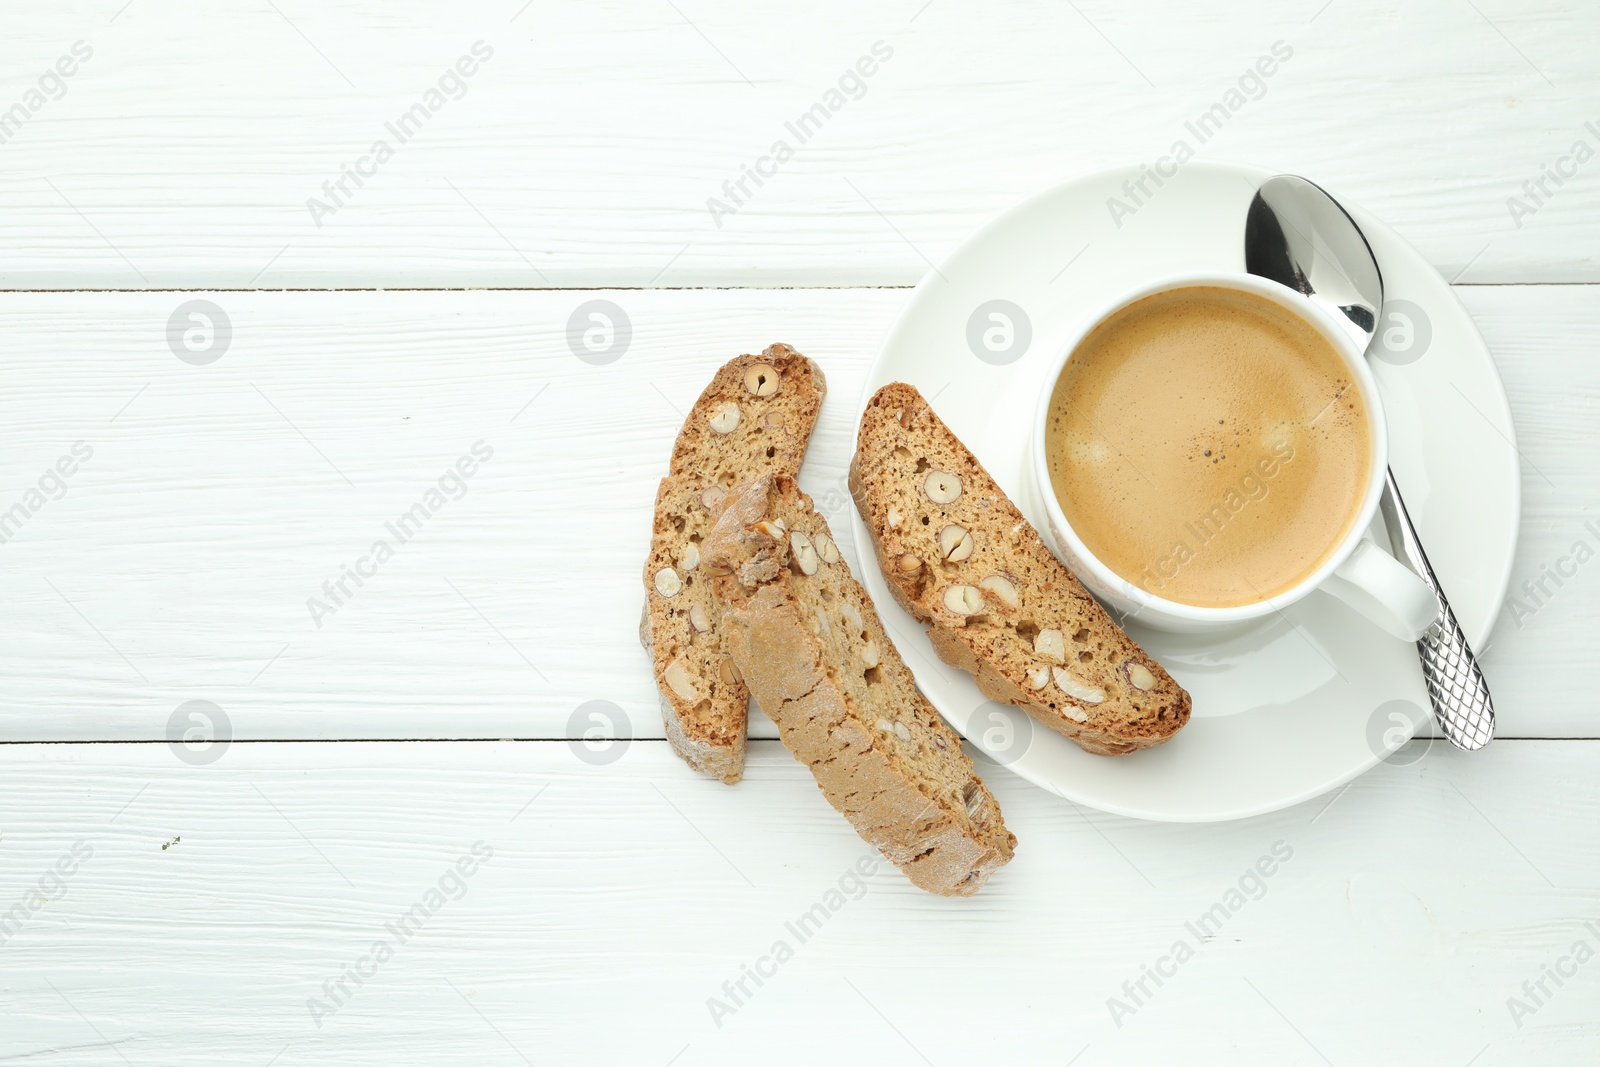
(1208, 446)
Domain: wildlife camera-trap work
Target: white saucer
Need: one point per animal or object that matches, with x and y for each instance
(1301, 704)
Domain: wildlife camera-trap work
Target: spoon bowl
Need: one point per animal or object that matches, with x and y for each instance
(1300, 237)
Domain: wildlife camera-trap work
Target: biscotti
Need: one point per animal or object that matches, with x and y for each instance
(755, 417)
(960, 557)
(816, 657)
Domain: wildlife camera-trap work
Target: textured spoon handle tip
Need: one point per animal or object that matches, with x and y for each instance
(1456, 687)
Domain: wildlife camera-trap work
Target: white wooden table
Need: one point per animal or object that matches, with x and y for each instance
(225, 903)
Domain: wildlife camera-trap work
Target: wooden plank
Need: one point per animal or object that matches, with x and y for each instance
(217, 900)
(1535, 655)
(185, 151)
(178, 563)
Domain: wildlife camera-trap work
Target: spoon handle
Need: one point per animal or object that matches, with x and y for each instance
(1456, 688)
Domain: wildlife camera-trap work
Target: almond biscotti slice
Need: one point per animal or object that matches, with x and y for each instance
(755, 416)
(814, 653)
(959, 556)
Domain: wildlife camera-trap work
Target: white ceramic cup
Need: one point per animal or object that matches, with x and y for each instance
(1358, 572)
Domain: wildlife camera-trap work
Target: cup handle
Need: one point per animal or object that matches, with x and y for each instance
(1385, 591)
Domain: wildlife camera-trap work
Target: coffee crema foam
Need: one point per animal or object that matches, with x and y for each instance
(1208, 446)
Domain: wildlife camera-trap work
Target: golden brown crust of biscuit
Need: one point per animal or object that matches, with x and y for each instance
(814, 653)
(755, 416)
(959, 556)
